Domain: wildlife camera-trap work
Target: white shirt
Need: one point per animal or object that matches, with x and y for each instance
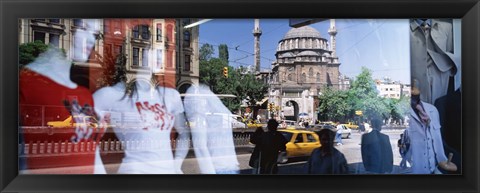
(143, 124)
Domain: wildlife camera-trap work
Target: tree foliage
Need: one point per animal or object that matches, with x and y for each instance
(206, 52)
(362, 96)
(28, 52)
(239, 83)
(223, 52)
(334, 104)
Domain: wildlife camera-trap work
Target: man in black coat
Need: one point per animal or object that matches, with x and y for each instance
(272, 143)
(377, 155)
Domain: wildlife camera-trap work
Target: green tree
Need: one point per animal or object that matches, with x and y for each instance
(28, 52)
(363, 96)
(334, 104)
(223, 52)
(206, 52)
(243, 85)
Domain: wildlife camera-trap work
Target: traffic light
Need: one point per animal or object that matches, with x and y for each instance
(225, 72)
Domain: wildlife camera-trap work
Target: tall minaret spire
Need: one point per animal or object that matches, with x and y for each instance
(332, 32)
(256, 33)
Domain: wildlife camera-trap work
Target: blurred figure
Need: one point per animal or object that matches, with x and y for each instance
(361, 127)
(338, 134)
(45, 85)
(327, 159)
(254, 161)
(271, 144)
(212, 134)
(377, 155)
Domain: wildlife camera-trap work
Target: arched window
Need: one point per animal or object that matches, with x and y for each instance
(290, 77)
(304, 77)
(318, 77)
(310, 72)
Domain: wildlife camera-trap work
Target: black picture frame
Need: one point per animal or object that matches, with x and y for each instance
(11, 11)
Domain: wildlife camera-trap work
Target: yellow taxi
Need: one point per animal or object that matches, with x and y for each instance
(69, 122)
(351, 125)
(301, 143)
(254, 124)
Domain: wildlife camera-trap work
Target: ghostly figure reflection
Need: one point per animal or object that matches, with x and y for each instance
(211, 130)
(46, 87)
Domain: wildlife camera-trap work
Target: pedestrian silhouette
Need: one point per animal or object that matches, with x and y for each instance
(271, 144)
(377, 155)
(255, 138)
(327, 159)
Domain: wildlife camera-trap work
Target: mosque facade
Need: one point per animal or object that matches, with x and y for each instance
(305, 65)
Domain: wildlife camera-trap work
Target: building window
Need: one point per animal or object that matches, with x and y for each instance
(187, 63)
(78, 22)
(186, 38)
(54, 40)
(159, 59)
(290, 77)
(118, 50)
(135, 32)
(145, 57)
(135, 56)
(54, 20)
(318, 77)
(39, 36)
(304, 77)
(141, 32)
(145, 32)
(159, 32)
(310, 72)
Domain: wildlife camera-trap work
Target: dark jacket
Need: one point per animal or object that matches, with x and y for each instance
(335, 163)
(377, 155)
(272, 142)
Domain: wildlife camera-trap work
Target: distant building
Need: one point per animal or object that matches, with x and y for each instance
(305, 65)
(343, 82)
(159, 45)
(392, 89)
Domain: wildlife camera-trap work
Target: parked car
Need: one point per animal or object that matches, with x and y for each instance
(346, 132)
(301, 143)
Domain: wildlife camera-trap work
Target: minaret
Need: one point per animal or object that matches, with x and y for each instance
(256, 33)
(332, 32)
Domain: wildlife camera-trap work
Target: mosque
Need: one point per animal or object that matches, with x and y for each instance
(305, 65)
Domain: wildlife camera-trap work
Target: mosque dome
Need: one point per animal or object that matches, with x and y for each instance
(302, 32)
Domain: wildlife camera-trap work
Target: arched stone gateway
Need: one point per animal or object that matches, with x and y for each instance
(290, 110)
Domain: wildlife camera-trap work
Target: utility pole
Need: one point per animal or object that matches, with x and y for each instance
(257, 33)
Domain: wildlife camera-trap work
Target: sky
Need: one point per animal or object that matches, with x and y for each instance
(382, 45)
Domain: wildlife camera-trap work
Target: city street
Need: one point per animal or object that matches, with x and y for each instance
(350, 148)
